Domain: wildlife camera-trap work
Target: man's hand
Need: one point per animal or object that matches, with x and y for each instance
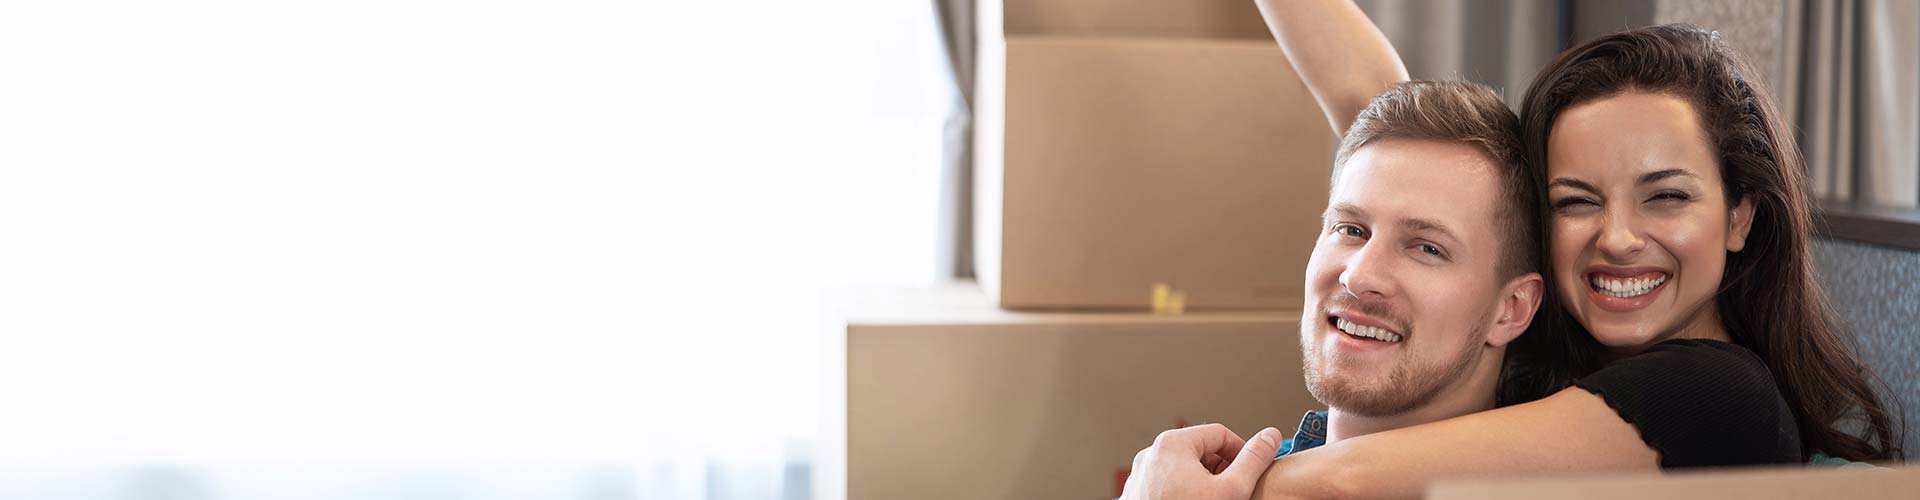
(1203, 462)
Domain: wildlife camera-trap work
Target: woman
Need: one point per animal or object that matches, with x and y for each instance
(1754, 288)
(1684, 327)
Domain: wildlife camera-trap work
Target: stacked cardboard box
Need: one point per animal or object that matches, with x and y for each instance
(940, 394)
(1120, 144)
(1124, 143)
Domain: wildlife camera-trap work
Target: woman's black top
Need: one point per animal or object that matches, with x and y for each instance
(1700, 403)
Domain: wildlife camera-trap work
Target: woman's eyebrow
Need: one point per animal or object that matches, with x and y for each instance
(1652, 177)
(1573, 183)
(1646, 178)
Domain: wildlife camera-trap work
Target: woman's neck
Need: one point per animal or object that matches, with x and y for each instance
(1705, 325)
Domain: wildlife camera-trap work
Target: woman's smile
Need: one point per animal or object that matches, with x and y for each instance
(1624, 291)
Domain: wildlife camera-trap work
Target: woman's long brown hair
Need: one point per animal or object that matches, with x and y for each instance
(1769, 299)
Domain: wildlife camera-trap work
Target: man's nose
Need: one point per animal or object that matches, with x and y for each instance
(1369, 271)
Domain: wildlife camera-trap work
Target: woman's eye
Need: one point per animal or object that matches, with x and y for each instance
(1430, 250)
(1670, 195)
(1565, 203)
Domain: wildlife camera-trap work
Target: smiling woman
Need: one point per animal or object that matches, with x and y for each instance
(1638, 247)
(1667, 160)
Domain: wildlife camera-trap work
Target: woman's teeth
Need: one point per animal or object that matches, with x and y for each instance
(1625, 287)
(1359, 330)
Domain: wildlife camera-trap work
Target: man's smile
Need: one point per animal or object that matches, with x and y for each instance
(1351, 328)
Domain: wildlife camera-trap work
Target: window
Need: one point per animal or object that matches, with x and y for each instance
(338, 236)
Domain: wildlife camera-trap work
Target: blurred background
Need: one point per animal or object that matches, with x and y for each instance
(437, 249)
(425, 249)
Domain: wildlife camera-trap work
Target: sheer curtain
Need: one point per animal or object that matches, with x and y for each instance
(1855, 90)
(1498, 43)
(439, 249)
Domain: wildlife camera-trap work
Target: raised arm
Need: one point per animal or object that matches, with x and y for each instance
(1339, 54)
(1570, 431)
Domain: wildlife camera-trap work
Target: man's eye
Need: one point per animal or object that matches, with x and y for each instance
(1430, 250)
(1353, 231)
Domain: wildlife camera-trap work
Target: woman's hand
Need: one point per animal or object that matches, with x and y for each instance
(1203, 462)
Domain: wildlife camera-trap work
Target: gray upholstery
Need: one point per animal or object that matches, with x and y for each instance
(1877, 291)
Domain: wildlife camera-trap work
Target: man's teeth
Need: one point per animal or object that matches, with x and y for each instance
(1359, 330)
(1626, 287)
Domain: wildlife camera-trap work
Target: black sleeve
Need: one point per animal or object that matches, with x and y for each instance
(1700, 403)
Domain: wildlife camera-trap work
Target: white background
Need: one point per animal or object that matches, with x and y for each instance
(417, 232)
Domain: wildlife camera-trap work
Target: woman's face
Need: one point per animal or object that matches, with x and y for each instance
(1639, 222)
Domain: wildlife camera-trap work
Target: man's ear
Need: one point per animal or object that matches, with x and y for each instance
(1519, 300)
(1739, 223)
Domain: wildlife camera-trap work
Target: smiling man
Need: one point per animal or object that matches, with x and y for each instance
(1424, 270)
(1425, 267)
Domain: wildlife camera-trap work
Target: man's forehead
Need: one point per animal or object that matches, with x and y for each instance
(1445, 157)
(1397, 185)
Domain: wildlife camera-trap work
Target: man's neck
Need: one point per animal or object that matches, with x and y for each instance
(1473, 393)
(1342, 425)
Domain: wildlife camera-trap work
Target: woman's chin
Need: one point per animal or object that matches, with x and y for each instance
(1629, 330)
(1622, 335)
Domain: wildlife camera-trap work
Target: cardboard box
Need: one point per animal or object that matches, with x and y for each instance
(1148, 18)
(938, 394)
(1766, 483)
(1106, 165)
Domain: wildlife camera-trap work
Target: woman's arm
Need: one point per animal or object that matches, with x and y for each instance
(1570, 431)
(1339, 54)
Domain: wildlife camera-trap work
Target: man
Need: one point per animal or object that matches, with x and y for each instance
(1424, 270)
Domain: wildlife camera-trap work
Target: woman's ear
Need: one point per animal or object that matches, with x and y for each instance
(1519, 300)
(1739, 223)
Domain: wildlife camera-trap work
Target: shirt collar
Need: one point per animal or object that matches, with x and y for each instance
(1312, 433)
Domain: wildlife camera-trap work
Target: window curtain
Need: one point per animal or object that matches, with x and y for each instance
(957, 33)
(1498, 43)
(1855, 93)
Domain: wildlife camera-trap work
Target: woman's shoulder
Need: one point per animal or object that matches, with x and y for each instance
(1706, 346)
(1700, 402)
(1709, 370)
(1701, 356)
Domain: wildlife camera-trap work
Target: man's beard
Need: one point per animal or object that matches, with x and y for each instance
(1410, 385)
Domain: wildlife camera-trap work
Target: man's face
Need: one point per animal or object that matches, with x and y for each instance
(1402, 286)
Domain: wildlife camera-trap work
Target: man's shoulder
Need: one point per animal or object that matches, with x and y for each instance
(1311, 433)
